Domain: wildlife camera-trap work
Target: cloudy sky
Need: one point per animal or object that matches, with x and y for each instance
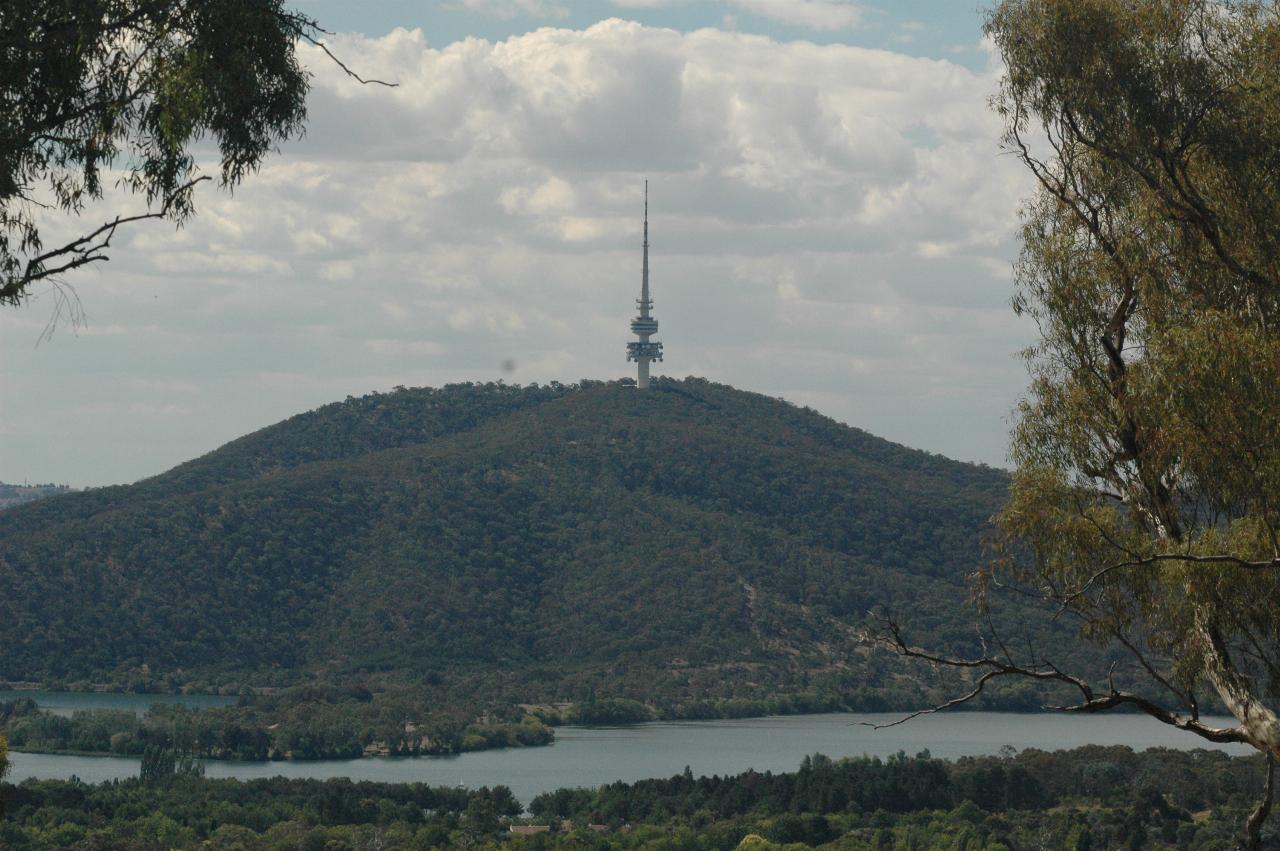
(831, 221)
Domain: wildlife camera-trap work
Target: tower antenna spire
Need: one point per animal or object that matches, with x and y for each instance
(646, 303)
(644, 326)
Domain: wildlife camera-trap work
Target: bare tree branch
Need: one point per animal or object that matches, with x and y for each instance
(950, 704)
(84, 250)
(336, 61)
(1268, 564)
(1151, 670)
(1092, 702)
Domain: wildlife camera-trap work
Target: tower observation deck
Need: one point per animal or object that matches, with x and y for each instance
(644, 326)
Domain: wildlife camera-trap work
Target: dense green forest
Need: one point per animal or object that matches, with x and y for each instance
(698, 549)
(1088, 799)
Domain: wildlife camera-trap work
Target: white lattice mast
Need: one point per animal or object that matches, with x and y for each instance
(644, 326)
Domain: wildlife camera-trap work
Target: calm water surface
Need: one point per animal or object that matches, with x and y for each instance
(591, 757)
(66, 702)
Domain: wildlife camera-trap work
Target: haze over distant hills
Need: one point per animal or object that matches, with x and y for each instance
(529, 543)
(11, 495)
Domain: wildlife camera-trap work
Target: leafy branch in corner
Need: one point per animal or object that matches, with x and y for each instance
(135, 83)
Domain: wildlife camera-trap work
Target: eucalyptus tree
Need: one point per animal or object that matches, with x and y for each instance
(1145, 500)
(96, 92)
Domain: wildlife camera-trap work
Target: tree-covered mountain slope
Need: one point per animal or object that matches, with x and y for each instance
(693, 542)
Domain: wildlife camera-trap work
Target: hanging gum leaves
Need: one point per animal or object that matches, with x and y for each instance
(1147, 449)
(95, 91)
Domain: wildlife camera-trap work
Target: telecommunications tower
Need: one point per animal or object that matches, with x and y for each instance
(644, 326)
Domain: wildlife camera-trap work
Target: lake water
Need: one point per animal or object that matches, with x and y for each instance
(66, 702)
(594, 756)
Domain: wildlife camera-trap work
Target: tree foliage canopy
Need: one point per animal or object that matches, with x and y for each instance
(1148, 465)
(96, 92)
(1089, 798)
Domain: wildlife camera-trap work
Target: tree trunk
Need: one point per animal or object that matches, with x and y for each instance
(1253, 827)
(1258, 721)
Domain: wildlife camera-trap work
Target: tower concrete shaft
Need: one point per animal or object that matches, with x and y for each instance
(644, 326)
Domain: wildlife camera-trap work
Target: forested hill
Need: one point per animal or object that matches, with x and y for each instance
(529, 543)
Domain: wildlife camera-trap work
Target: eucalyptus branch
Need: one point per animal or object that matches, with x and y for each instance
(1235, 561)
(1182, 696)
(1136, 561)
(1188, 203)
(108, 86)
(1220, 735)
(1091, 702)
(84, 250)
(336, 61)
(950, 704)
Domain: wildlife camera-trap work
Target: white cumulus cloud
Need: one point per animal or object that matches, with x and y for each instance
(828, 223)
